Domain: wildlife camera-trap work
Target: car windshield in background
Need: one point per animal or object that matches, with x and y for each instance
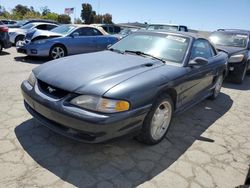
(167, 47)
(21, 22)
(229, 39)
(164, 27)
(28, 26)
(63, 29)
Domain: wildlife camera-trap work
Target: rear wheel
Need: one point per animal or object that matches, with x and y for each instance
(57, 51)
(241, 74)
(216, 90)
(18, 39)
(157, 121)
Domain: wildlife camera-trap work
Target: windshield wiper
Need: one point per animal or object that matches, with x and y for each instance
(115, 50)
(145, 54)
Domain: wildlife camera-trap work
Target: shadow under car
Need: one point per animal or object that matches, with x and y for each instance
(124, 162)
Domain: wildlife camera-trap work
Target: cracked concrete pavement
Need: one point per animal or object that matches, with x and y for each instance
(207, 146)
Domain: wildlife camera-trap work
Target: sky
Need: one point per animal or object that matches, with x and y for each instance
(196, 14)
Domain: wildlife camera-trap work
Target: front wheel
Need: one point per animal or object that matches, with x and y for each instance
(57, 52)
(216, 90)
(157, 121)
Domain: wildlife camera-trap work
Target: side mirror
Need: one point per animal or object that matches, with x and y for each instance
(198, 61)
(75, 34)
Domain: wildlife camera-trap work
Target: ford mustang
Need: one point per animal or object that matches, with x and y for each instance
(134, 87)
(65, 40)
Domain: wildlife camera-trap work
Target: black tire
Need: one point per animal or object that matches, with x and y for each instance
(62, 51)
(241, 74)
(146, 135)
(216, 90)
(19, 38)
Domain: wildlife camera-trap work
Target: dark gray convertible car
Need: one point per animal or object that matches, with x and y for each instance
(135, 86)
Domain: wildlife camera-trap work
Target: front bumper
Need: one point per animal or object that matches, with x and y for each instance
(77, 123)
(235, 68)
(33, 49)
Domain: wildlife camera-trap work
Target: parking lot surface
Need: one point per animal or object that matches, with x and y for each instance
(207, 146)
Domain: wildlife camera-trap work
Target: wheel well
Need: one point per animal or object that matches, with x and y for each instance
(224, 73)
(171, 92)
(59, 44)
(18, 37)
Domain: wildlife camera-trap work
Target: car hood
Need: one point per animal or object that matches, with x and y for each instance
(230, 50)
(93, 73)
(37, 34)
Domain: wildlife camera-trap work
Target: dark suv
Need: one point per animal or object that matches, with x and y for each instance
(236, 43)
(4, 38)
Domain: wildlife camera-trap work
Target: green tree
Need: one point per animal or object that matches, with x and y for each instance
(98, 18)
(45, 10)
(51, 16)
(64, 19)
(21, 10)
(87, 13)
(107, 18)
(31, 14)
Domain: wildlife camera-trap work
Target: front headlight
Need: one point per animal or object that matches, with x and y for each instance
(32, 79)
(39, 42)
(236, 58)
(100, 104)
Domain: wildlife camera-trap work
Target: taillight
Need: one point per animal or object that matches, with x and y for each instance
(4, 29)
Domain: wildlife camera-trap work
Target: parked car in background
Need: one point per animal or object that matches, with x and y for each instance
(66, 40)
(109, 28)
(4, 38)
(21, 23)
(125, 32)
(237, 44)
(18, 34)
(1, 23)
(8, 22)
(169, 27)
(134, 87)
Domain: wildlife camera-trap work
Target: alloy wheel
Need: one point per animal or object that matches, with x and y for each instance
(161, 120)
(57, 52)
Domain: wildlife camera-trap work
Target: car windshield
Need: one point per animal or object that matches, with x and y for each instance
(164, 27)
(167, 47)
(229, 39)
(63, 29)
(28, 26)
(21, 23)
(127, 31)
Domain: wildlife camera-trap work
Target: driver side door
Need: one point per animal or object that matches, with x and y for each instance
(200, 78)
(82, 40)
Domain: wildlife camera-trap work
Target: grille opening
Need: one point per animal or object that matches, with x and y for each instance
(51, 91)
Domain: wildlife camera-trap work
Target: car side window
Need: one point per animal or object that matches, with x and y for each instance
(201, 48)
(42, 27)
(87, 31)
(182, 28)
(49, 27)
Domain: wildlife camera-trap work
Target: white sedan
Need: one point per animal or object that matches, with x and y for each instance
(18, 34)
